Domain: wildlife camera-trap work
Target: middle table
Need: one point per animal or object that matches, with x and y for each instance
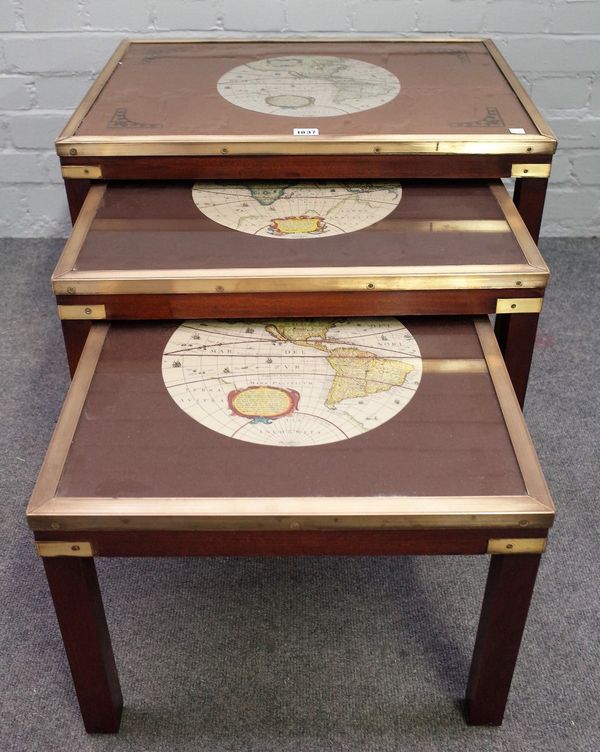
(175, 250)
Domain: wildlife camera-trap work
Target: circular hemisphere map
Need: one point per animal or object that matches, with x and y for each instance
(297, 210)
(303, 86)
(292, 383)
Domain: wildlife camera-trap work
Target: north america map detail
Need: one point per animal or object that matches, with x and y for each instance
(292, 383)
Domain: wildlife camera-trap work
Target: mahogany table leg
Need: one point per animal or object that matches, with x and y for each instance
(506, 602)
(515, 333)
(78, 603)
(75, 333)
(529, 197)
(76, 190)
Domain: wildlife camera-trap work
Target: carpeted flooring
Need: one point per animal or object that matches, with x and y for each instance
(307, 654)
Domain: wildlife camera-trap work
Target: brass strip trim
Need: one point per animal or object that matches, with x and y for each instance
(82, 225)
(81, 312)
(209, 145)
(320, 279)
(315, 513)
(536, 170)
(88, 172)
(525, 453)
(52, 467)
(519, 305)
(337, 40)
(518, 228)
(519, 90)
(64, 548)
(516, 545)
(391, 139)
(94, 91)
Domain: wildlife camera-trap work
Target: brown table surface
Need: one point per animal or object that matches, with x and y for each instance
(161, 97)
(151, 237)
(126, 456)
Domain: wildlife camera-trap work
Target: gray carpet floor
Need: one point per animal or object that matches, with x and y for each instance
(307, 654)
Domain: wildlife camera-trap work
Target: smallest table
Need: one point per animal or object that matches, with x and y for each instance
(297, 437)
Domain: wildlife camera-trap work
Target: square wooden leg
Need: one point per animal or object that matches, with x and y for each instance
(506, 602)
(516, 333)
(76, 190)
(75, 334)
(529, 198)
(78, 603)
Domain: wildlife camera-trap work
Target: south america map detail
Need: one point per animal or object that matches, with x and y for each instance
(305, 86)
(292, 383)
(288, 211)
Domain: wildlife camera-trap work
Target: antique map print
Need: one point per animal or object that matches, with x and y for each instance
(303, 86)
(292, 382)
(297, 210)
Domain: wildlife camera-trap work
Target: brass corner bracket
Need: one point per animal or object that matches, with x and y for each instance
(82, 172)
(537, 170)
(64, 548)
(519, 305)
(81, 312)
(516, 545)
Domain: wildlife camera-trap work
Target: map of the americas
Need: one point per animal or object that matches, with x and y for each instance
(292, 383)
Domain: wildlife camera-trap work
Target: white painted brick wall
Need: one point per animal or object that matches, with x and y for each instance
(50, 51)
(399, 16)
(178, 15)
(268, 15)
